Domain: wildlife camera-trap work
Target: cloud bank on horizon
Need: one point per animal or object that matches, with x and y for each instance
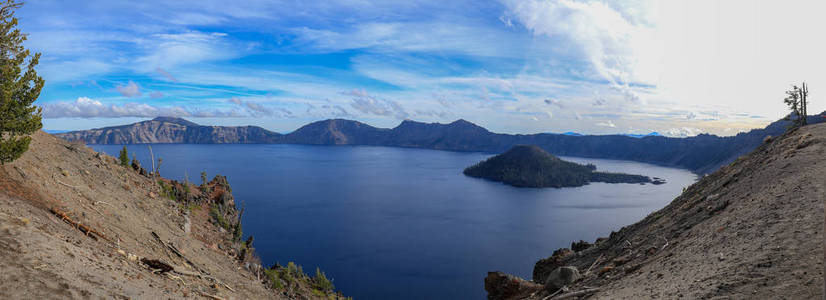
(513, 66)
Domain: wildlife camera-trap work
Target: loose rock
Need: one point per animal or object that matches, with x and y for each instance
(560, 277)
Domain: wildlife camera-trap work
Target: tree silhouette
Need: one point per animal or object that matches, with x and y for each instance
(798, 102)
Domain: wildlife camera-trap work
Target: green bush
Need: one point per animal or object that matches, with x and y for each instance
(321, 281)
(219, 218)
(273, 277)
(166, 190)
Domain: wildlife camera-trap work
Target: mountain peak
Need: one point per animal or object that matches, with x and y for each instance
(175, 120)
(462, 122)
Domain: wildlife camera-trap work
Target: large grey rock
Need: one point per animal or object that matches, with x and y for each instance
(501, 286)
(560, 277)
(545, 266)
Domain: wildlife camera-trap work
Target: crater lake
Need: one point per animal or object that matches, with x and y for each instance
(399, 223)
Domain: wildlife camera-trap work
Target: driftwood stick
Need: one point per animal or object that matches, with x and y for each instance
(577, 293)
(173, 277)
(593, 264)
(101, 202)
(227, 286)
(60, 182)
(210, 296)
(556, 293)
(666, 243)
(178, 253)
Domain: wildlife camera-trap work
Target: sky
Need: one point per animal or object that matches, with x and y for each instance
(679, 68)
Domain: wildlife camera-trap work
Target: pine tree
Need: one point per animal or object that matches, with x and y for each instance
(19, 87)
(124, 157)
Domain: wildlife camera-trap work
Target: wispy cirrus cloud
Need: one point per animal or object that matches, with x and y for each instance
(372, 105)
(84, 107)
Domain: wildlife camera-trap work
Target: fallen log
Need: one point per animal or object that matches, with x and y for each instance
(178, 253)
(157, 264)
(94, 234)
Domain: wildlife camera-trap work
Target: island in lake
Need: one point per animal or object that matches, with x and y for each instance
(530, 166)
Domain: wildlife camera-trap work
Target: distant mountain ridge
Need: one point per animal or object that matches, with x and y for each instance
(172, 130)
(700, 154)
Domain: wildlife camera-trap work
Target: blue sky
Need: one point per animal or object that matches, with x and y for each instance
(679, 68)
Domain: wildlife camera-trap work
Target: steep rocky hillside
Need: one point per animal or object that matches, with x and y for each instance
(751, 230)
(335, 132)
(172, 130)
(75, 224)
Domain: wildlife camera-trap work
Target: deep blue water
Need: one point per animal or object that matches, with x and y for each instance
(405, 223)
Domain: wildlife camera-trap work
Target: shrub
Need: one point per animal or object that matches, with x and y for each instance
(321, 281)
(166, 190)
(219, 218)
(275, 281)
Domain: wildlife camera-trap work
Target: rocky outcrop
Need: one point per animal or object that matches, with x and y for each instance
(501, 286)
(545, 266)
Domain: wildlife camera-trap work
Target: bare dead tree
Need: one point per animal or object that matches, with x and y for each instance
(797, 99)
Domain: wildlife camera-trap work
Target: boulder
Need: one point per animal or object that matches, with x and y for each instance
(502, 286)
(579, 246)
(560, 277)
(544, 266)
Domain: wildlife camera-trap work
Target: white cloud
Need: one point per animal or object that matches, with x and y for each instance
(129, 90)
(685, 132)
(607, 123)
(85, 107)
(608, 37)
(167, 50)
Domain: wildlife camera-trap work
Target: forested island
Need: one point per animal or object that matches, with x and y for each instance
(530, 166)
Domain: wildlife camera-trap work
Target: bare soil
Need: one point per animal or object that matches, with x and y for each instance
(47, 257)
(751, 230)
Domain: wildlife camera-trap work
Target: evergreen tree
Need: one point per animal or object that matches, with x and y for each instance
(19, 87)
(124, 157)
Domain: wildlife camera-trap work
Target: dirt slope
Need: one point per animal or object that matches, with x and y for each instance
(753, 229)
(45, 257)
